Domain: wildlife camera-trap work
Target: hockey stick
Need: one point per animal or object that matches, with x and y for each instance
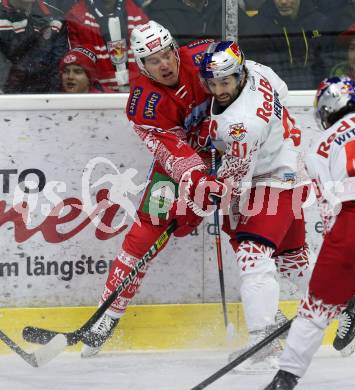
(43, 336)
(42, 355)
(220, 266)
(244, 356)
(229, 326)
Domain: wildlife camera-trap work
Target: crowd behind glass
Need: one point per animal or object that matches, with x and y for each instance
(53, 46)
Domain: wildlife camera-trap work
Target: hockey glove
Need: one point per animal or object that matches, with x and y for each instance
(204, 138)
(199, 135)
(186, 219)
(201, 192)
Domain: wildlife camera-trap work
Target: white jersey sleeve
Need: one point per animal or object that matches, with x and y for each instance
(256, 134)
(331, 163)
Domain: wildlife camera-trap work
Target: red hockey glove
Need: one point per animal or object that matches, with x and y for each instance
(199, 135)
(203, 138)
(201, 192)
(186, 219)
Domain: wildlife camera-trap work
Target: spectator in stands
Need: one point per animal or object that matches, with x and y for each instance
(250, 5)
(249, 33)
(78, 72)
(60, 7)
(288, 37)
(106, 25)
(341, 13)
(347, 67)
(326, 6)
(344, 17)
(188, 20)
(31, 43)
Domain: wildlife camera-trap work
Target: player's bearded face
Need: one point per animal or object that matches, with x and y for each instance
(163, 67)
(225, 90)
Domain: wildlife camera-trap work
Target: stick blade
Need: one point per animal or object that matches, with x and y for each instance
(38, 335)
(48, 352)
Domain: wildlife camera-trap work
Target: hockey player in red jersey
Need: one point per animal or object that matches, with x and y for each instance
(332, 285)
(260, 146)
(167, 108)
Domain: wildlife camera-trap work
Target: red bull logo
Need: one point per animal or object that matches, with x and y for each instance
(237, 131)
(234, 51)
(347, 88)
(117, 51)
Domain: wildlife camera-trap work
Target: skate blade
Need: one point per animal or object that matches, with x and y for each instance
(259, 368)
(348, 350)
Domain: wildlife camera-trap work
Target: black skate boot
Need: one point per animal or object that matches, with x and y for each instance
(346, 330)
(283, 380)
(101, 331)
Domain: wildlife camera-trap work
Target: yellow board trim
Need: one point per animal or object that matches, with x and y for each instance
(146, 327)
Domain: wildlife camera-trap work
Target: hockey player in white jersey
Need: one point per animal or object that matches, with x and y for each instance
(259, 142)
(331, 164)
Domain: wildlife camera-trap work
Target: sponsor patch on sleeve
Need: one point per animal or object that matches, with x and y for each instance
(133, 101)
(197, 58)
(151, 105)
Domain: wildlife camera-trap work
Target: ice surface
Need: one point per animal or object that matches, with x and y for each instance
(180, 370)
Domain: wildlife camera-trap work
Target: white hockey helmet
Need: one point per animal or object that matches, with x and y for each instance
(222, 59)
(334, 96)
(148, 39)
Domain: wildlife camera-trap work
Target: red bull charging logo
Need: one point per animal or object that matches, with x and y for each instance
(237, 131)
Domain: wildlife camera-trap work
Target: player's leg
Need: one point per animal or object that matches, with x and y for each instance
(136, 243)
(293, 254)
(154, 218)
(292, 258)
(259, 235)
(331, 287)
(259, 291)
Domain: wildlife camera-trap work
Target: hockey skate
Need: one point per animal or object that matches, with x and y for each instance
(262, 362)
(346, 330)
(283, 380)
(101, 331)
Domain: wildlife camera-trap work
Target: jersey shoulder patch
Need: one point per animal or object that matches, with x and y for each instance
(193, 52)
(144, 99)
(150, 105)
(133, 100)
